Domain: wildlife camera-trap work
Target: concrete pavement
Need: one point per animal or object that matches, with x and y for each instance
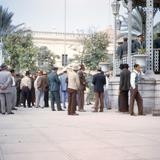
(40, 134)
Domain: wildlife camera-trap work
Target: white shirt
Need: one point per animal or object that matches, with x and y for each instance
(26, 82)
(107, 84)
(133, 78)
(13, 81)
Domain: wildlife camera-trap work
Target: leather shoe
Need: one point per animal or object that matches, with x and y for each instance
(11, 113)
(94, 111)
(133, 114)
(60, 109)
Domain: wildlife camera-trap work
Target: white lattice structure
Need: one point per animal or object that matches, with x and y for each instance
(149, 34)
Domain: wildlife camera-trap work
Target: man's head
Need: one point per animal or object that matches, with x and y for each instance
(55, 68)
(125, 39)
(3, 67)
(121, 66)
(75, 68)
(40, 73)
(99, 69)
(82, 67)
(27, 73)
(137, 67)
(13, 72)
(125, 66)
(141, 37)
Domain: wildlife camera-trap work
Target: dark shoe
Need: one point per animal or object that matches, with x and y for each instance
(14, 108)
(141, 114)
(81, 110)
(11, 113)
(53, 110)
(3, 113)
(101, 111)
(60, 109)
(75, 114)
(133, 114)
(94, 111)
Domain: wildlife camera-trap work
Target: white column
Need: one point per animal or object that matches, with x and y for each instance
(149, 35)
(129, 31)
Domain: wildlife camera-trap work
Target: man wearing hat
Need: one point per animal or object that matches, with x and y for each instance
(5, 90)
(124, 88)
(54, 88)
(73, 86)
(99, 81)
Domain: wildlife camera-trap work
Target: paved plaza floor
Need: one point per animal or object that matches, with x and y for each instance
(40, 134)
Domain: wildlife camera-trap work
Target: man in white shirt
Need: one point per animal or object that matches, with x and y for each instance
(135, 95)
(25, 89)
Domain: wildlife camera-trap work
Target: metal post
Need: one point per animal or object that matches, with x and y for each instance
(65, 26)
(115, 46)
(149, 35)
(129, 31)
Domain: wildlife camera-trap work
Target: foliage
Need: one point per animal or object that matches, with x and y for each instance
(20, 51)
(142, 51)
(95, 49)
(45, 58)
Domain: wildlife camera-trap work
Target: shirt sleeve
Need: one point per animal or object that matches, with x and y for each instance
(132, 80)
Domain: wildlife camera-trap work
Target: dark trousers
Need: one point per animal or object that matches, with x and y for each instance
(80, 99)
(18, 98)
(123, 101)
(135, 95)
(72, 102)
(26, 95)
(46, 98)
(99, 96)
(55, 98)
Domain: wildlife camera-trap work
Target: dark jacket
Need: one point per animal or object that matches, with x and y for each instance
(42, 83)
(54, 82)
(99, 81)
(125, 80)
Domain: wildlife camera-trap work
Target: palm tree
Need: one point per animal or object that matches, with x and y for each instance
(6, 28)
(5, 21)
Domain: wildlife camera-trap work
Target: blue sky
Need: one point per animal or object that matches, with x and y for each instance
(48, 15)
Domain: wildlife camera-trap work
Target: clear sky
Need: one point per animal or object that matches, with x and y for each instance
(48, 15)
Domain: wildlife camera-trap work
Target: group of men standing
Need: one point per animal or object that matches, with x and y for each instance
(72, 84)
(129, 82)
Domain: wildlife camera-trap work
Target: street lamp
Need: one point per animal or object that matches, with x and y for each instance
(115, 9)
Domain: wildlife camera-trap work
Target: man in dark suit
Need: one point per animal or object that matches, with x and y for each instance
(99, 81)
(124, 89)
(54, 88)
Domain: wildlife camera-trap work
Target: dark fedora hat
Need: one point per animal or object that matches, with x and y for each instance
(3, 66)
(55, 67)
